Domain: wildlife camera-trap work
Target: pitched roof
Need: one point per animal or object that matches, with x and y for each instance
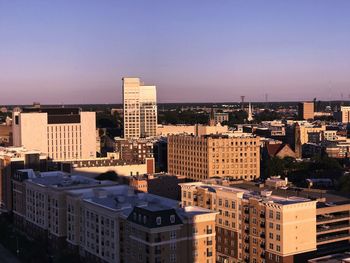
(275, 148)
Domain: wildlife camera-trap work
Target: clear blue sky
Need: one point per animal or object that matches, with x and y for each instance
(71, 51)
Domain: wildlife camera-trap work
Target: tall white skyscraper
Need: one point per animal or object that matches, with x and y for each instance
(140, 109)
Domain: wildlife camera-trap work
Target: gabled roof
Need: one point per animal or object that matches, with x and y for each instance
(275, 148)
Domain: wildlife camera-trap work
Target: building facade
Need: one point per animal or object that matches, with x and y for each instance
(12, 159)
(253, 226)
(140, 109)
(61, 133)
(111, 223)
(203, 157)
(306, 110)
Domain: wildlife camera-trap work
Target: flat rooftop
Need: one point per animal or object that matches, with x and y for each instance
(63, 180)
(284, 196)
(297, 192)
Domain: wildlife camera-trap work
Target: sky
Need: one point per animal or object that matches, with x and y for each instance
(77, 51)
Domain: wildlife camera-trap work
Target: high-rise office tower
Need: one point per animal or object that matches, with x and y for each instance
(140, 109)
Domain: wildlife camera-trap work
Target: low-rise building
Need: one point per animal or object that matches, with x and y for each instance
(161, 184)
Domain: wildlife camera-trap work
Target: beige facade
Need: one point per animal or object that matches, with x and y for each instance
(110, 223)
(166, 130)
(221, 117)
(203, 157)
(306, 110)
(345, 114)
(305, 129)
(140, 109)
(256, 227)
(60, 133)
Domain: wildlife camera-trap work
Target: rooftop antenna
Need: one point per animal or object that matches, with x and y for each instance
(242, 102)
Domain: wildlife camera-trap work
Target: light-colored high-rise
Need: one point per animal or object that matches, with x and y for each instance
(140, 109)
(61, 133)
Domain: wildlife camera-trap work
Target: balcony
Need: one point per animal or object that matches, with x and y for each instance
(246, 210)
(246, 220)
(262, 224)
(262, 215)
(209, 242)
(209, 231)
(262, 245)
(262, 255)
(246, 240)
(246, 230)
(262, 235)
(246, 249)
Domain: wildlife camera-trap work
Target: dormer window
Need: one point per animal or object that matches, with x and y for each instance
(159, 220)
(172, 219)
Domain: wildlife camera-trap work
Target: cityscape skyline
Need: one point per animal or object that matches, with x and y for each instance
(290, 52)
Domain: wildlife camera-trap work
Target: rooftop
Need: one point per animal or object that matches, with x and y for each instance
(59, 179)
(285, 196)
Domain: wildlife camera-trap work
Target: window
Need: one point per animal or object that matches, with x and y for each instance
(159, 220)
(278, 215)
(172, 219)
(173, 246)
(278, 248)
(271, 246)
(278, 226)
(271, 235)
(172, 234)
(278, 237)
(270, 225)
(270, 214)
(233, 205)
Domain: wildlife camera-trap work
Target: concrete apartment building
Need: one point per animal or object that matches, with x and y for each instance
(61, 133)
(12, 159)
(253, 226)
(39, 202)
(272, 223)
(110, 223)
(203, 157)
(306, 110)
(140, 109)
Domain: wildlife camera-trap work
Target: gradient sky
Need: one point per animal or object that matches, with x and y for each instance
(71, 51)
